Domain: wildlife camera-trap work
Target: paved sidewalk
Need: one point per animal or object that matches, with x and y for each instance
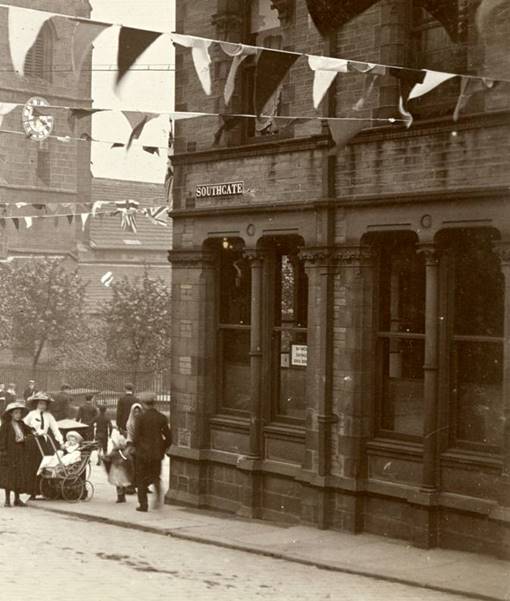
(471, 575)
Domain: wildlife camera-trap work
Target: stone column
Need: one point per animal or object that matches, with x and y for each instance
(502, 249)
(251, 465)
(193, 371)
(430, 369)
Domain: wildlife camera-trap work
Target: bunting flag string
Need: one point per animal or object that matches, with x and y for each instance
(25, 24)
(83, 36)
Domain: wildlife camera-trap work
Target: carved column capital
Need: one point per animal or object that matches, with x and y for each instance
(316, 256)
(354, 255)
(191, 259)
(430, 252)
(285, 10)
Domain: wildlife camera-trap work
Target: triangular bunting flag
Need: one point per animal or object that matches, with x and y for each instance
(84, 34)
(226, 124)
(468, 87)
(239, 52)
(151, 149)
(76, 114)
(271, 69)
(84, 217)
(431, 81)
(28, 222)
(15, 222)
(70, 219)
(132, 44)
(330, 15)
(5, 109)
(117, 145)
(137, 121)
(325, 70)
(201, 58)
(24, 27)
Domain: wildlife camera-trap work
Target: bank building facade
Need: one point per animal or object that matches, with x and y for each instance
(341, 351)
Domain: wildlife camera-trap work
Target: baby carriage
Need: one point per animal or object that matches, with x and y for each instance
(70, 482)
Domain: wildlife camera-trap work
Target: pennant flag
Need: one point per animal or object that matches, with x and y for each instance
(344, 130)
(408, 79)
(19, 205)
(97, 205)
(485, 11)
(84, 217)
(408, 118)
(76, 114)
(432, 80)
(330, 15)
(137, 121)
(86, 137)
(24, 27)
(240, 53)
(107, 279)
(117, 145)
(374, 69)
(269, 73)
(325, 70)
(15, 222)
(132, 44)
(28, 222)
(468, 87)
(5, 109)
(151, 149)
(157, 215)
(85, 32)
(201, 58)
(70, 219)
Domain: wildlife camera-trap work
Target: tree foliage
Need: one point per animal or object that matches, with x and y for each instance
(42, 306)
(137, 322)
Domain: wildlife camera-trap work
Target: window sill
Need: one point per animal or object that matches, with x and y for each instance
(232, 423)
(286, 431)
(471, 460)
(402, 449)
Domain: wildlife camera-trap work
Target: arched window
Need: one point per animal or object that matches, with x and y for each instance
(39, 61)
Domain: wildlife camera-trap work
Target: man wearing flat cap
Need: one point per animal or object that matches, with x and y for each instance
(152, 438)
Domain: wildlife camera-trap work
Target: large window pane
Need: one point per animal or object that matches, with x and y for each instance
(401, 337)
(479, 373)
(402, 385)
(235, 374)
(291, 347)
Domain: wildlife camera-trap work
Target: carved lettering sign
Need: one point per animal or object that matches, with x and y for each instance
(212, 190)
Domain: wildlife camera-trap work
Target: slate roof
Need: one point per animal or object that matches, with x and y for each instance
(106, 233)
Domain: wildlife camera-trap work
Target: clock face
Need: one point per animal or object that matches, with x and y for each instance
(38, 127)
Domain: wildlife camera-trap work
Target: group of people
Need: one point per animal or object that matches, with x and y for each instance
(139, 445)
(139, 440)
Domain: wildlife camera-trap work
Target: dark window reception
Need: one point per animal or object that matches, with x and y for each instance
(289, 332)
(234, 296)
(477, 349)
(401, 337)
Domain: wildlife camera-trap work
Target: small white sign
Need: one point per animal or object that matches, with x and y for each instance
(299, 355)
(284, 360)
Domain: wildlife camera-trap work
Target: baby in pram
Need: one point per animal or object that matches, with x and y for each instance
(69, 455)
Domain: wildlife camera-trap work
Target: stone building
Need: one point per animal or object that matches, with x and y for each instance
(341, 328)
(48, 172)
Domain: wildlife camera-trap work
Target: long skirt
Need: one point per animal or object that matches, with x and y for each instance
(14, 474)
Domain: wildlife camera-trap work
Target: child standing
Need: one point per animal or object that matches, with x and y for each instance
(103, 432)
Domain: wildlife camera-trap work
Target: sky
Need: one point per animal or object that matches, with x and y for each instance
(141, 90)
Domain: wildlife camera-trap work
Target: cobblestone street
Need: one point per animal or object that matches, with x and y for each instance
(47, 557)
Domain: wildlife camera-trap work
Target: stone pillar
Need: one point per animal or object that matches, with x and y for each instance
(430, 368)
(251, 465)
(502, 249)
(193, 371)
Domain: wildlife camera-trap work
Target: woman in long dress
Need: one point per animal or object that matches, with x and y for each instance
(14, 434)
(44, 426)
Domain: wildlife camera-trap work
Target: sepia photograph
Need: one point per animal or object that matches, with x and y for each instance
(255, 300)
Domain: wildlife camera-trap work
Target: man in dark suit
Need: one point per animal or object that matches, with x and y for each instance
(124, 405)
(152, 439)
(29, 391)
(61, 406)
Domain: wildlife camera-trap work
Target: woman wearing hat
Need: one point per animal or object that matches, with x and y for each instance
(43, 425)
(13, 454)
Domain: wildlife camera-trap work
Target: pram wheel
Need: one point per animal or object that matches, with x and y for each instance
(49, 489)
(73, 489)
(88, 490)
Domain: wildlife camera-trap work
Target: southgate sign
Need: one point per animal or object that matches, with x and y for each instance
(212, 190)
